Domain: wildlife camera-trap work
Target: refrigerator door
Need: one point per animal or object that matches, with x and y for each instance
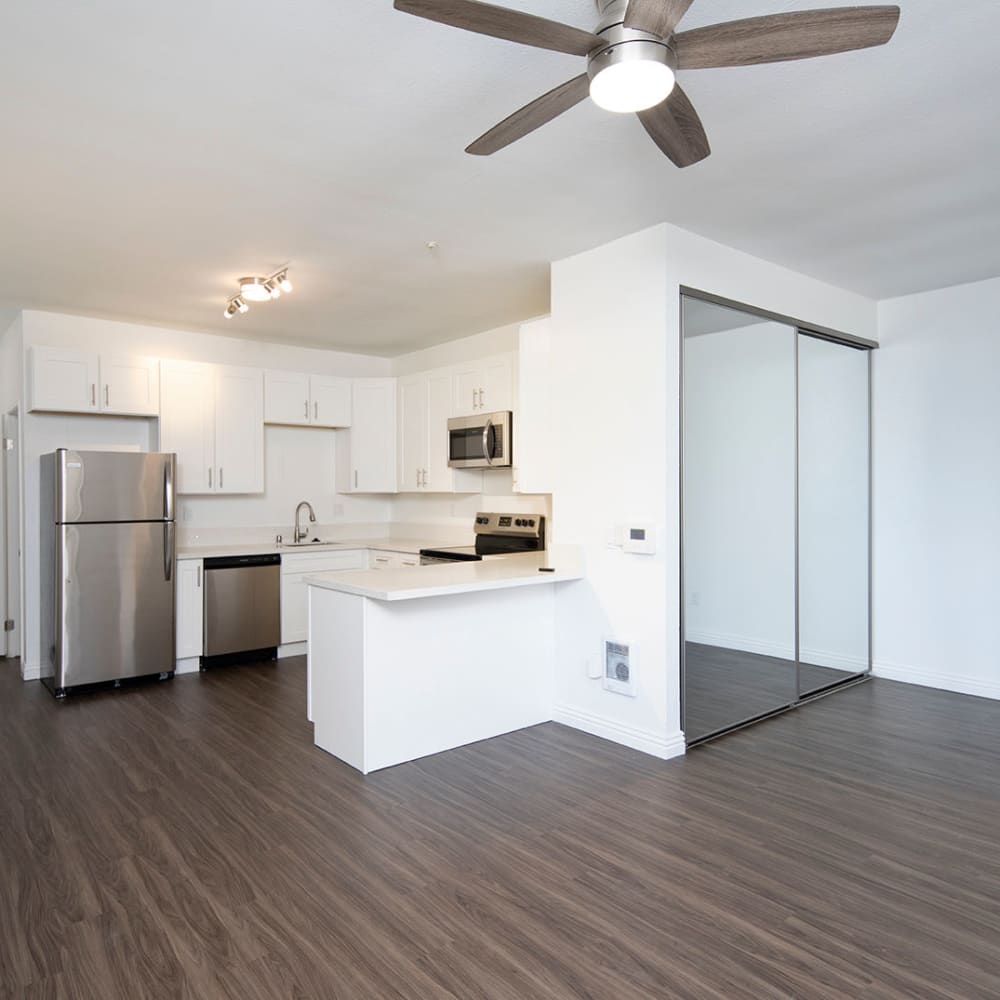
(114, 601)
(97, 486)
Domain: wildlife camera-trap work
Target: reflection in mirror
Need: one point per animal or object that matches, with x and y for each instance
(739, 516)
(833, 513)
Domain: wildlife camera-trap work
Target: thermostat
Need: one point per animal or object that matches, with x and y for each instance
(639, 539)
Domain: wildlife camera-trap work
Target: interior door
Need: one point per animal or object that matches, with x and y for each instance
(115, 617)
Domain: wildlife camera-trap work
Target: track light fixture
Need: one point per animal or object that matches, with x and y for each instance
(254, 289)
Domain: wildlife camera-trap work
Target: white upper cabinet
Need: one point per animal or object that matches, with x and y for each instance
(412, 408)
(213, 418)
(239, 430)
(130, 386)
(425, 402)
(286, 398)
(366, 454)
(68, 381)
(484, 386)
(330, 399)
(307, 400)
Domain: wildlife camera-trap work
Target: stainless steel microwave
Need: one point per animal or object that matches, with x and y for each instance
(482, 441)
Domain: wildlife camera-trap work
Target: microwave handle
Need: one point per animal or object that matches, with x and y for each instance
(486, 441)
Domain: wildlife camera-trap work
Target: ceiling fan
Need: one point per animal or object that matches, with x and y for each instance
(634, 51)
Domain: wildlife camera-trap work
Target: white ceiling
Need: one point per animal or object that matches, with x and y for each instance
(153, 153)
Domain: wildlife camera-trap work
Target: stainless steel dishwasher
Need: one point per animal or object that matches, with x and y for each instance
(242, 609)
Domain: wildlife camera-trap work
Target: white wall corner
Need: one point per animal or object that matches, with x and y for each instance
(661, 745)
(940, 679)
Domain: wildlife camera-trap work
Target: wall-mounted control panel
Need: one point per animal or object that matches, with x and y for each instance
(619, 667)
(636, 538)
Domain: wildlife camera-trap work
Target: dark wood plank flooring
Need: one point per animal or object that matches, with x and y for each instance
(723, 687)
(187, 840)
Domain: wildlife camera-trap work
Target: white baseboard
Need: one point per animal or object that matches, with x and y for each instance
(293, 649)
(31, 671)
(937, 679)
(189, 665)
(836, 661)
(655, 744)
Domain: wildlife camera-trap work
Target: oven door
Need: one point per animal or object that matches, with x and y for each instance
(480, 442)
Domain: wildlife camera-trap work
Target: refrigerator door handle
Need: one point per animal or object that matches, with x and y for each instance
(168, 549)
(168, 490)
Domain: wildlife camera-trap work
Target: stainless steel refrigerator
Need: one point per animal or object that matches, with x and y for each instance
(107, 558)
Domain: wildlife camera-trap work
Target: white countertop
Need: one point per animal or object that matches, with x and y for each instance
(408, 546)
(441, 579)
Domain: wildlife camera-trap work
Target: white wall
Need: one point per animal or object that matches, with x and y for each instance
(454, 352)
(937, 489)
(739, 489)
(615, 335)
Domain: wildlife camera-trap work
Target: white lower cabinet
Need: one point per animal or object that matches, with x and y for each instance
(295, 567)
(190, 608)
(384, 559)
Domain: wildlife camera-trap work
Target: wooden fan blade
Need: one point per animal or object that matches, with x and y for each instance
(658, 16)
(499, 22)
(780, 37)
(532, 116)
(675, 127)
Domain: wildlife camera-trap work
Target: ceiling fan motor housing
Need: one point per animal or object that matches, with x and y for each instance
(625, 44)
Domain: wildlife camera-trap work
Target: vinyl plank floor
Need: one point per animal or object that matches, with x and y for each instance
(187, 840)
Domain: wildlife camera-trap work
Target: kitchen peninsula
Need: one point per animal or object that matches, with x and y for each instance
(409, 662)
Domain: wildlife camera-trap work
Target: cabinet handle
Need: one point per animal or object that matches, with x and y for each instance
(475, 402)
(482, 401)
(199, 577)
(355, 478)
(307, 409)
(210, 477)
(107, 395)
(424, 471)
(93, 394)
(315, 411)
(220, 477)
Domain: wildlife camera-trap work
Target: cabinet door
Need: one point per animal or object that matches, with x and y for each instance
(190, 608)
(331, 401)
(130, 386)
(373, 436)
(187, 422)
(286, 398)
(468, 380)
(440, 477)
(63, 380)
(496, 387)
(294, 608)
(412, 405)
(239, 430)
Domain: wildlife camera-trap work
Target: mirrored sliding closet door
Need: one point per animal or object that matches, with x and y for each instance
(775, 515)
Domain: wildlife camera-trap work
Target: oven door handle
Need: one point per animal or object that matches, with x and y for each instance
(486, 441)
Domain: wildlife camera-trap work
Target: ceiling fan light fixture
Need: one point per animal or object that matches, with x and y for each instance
(632, 76)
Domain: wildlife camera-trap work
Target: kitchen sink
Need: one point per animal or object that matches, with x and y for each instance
(307, 542)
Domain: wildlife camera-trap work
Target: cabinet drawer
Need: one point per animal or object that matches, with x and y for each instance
(322, 562)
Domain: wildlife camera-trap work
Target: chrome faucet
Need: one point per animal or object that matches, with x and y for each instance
(301, 533)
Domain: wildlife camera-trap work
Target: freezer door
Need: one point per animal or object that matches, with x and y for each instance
(95, 486)
(115, 601)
